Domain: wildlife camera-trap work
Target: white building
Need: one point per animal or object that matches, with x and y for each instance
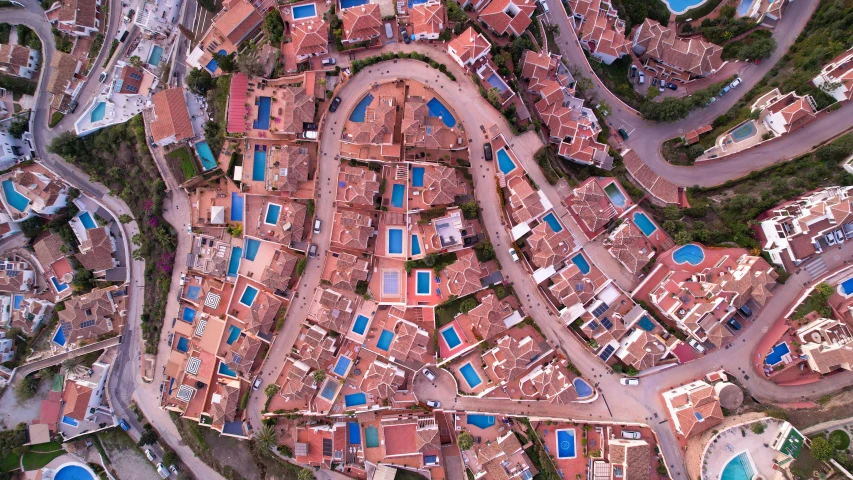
(836, 78)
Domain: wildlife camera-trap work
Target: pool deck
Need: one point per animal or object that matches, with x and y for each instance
(727, 145)
(731, 443)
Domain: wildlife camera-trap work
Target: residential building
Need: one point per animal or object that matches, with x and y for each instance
(629, 459)
(81, 398)
(508, 16)
(782, 114)
(7, 347)
(628, 244)
(89, 316)
(549, 383)
(427, 20)
(442, 185)
(289, 167)
(360, 186)
(827, 345)
(279, 272)
(96, 251)
(593, 208)
(660, 48)
(693, 408)
(16, 275)
(19, 61)
(361, 23)
(63, 82)
(511, 357)
(463, 275)
(416, 438)
(836, 78)
(600, 30)
(504, 459)
(468, 47)
(223, 408)
(352, 229)
(310, 39)
(796, 230)
(80, 18)
(23, 311)
(170, 118)
(229, 28)
(298, 110)
(39, 192)
(526, 203)
(346, 270)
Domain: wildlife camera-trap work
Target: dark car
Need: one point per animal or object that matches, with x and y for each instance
(334, 106)
(734, 324)
(655, 82)
(745, 311)
(487, 151)
(124, 426)
(623, 134)
(633, 71)
(72, 106)
(405, 35)
(672, 86)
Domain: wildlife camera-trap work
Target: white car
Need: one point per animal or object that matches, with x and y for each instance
(830, 239)
(839, 236)
(698, 346)
(629, 381)
(433, 404)
(257, 383)
(633, 435)
(735, 83)
(317, 226)
(149, 454)
(513, 255)
(183, 279)
(428, 373)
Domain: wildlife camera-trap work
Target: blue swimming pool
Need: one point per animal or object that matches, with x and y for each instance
(743, 7)
(304, 11)
(418, 176)
(273, 211)
(690, 253)
(73, 472)
(188, 314)
(397, 194)
(470, 375)
(193, 292)
(69, 421)
(59, 337)
(496, 82)
(437, 109)
(98, 112)
(481, 421)
(355, 399)
(505, 163)
(212, 65)
(412, 3)
(342, 366)
(226, 370)
(385, 338)
(156, 53)
(329, 390)
(738, 468)
(233, 334)
(60, 287)
(352, 3)
(354, 433)
(646, 225)
(582, 388)
(360, 324)
(259, 164)
(87, 221)
(236, 207)
(612, 191)
(13, 198)
(775, 356)
(566, 443)
(371, 437)
(422, 281)
(451, 338)
(183, 344)
(646, 324)
(581, 262)
(552, 222)
(681, 6)
(847, 286)
(357, 114)
(249, 295)
(252, 247)
(416, 245)
(17, 301)
(234, 261)
(395, 241)
(263, 121)
(205, 155)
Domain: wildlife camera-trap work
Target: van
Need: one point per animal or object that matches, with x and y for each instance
(312, 251)
(329, 61)
(162, 471)
(316, 226)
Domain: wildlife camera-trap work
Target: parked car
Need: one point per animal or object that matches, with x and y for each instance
(317, 226)
(72, 106)
(123, 424)
(655, 82)
(312, 251)
(642, 79)
(150, 454)
(839, 236)
(745, 311)
(623, 134)
(171, 336)
(735, 83)
(734, 324)
(404, 35)
(632, 434)
(725, 90)
(662, 86)
(428, 373)
(162, 471)
(544, 6)
(433, 404)
(711, 101)
(334, 106)
(328, 61)
(487, 151)
(183, 279)
(695, 344)
(173, 469)
(257, 384)
(672, 86)
(389, 32)
(633, 71)
(630, 382)
(830, 239)
(102, 77)
(513, 255)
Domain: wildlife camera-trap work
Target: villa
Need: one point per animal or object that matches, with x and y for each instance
(34, 189)
(504, 459)
(629, 245)
(346, 271)
(600, 29)
(230, 27)
(361, 23)
(53, 263)
(310, 39)
(278, 274)
(422, 128)
(542, 70)
(81, 399)
(315, 347)
(827, 345)
(96, 251)
(797, 229)
(297, 386)
(508, 16)
(548, 245)
(469, 47)
(463, 276)
(441, 185)
(26, 313)
(334, 309)
(374, 119)
(511, 357)
(357, 186)
(209, 255)
(16, 275)
(80, 18)
(838, 74)
(595, 202)
(550, 383)
(240, 358)
(352, 229)
(223, 408)
(19, 61)
(289, 167)
(693, 408)
(63, 82)
(576, 284)
(170, 122)
(321, 445)
(90, 316)
(417, 438)
(782, 114)
(661, 48)
(427, 20)
(273, 219)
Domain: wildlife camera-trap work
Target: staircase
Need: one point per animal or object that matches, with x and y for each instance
(402, 172)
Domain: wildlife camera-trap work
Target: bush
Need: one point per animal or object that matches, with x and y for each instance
(839, 440)
(821, 449)
(467, 305)
(465, 440)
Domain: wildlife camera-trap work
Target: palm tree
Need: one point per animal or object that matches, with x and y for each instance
(266, 438)
(74, 366)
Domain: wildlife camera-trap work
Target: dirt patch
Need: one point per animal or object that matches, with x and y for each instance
(13, 412)
(125, 456)
(232, 452)
(836, 408)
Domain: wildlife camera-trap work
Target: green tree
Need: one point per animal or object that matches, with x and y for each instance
(249, 62)
(18, 127)
(273, 26)
(271, 390)
(265, 437)
(136, 61)
(170, 457)
(73, 366)
(485, 251)
(27, 388)
(227, 63)
(821, 449)
(149, 436)
(125, 218)
(758, 428)
(319, 376)
(199, 81)
(33, 226)
(683, 238)
(824, 289)
(211, 129)
(470, 210)
(467, 305)
(465, 441)
(494, 97)
(305, 474)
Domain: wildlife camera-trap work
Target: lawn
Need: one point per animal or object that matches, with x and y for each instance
(447, 311)
(55, 119)
(839, 439)
(181, 160)
(34, 460)
(403, 474)
(10, 462)
(616, 77)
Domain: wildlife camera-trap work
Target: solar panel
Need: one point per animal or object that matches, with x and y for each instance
(327, 447)
(391, 282)
(185, 393)
(593, 325)
(608, 351)
(607, 323)
(193, 365)
(599, 310)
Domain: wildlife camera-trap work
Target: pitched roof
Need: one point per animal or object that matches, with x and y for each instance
(362, 22)
(630, 246)
(171, 117)
(97, 250)
(14, 55)
(496, 15)
(298, 109)
(76, 398)
(88, 316)
(224, 404)
(242, 355)
(549, 247)
(592, 205)
(510, 357)
(263, 313)
(349, 270)
(463, 275)
(441, 185)
(427, 18)
(360, 185)
(469, 45)
(289, 166)
(694, 55)
(277, 274)
(238, 21)
(310, 37)
(488, 316)
(64, 66)
(49, 249)
(355, 229)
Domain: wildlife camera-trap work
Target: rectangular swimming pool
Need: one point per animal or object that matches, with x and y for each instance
(505, 163)
(612, 191)
(416, 245)
(470, 375)
(385, 338)
(329, 390)
(371, 437)
(360, 324)
(193, 292)
(646, 324)
(645, 225)
(422, 282)
(397, 194)
(273, 211)
(395, 241)
(481, 421)
(355, 399)
(552, 222)
(581, 262)
(418, 176)
(86, 220)
(233, 334)
(263, 121)
(156, 54)
(566, 443)
(236, 207)
(188, 315)
(183, 344)
(234, 262)
(451, 338)
(206, 155)
(259, 164)
(847, 286)
(249, 295)
(354, 433)
(304, 11)
(342, 366)
(252, 247)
